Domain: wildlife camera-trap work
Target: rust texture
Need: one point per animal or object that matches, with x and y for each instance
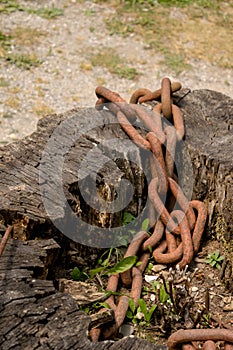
(190, 335)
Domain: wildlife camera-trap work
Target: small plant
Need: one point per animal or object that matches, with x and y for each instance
(79, 275)
(122, 266)
(127, 218)
(110, 256)
(140, 315)
(215, 259)
(163, 295)
(130, 218)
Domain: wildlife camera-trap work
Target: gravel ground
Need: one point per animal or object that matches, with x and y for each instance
(65, 79)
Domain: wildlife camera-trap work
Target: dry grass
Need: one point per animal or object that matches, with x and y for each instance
(26, 36)
(110, 59)
(42, 109)
(194, 31)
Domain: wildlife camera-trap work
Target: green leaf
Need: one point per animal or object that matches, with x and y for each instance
(123, 241)
(105, 262)
(132, 232)
(155, 285)
(127, 218)
(143, 306)
(76, 274)
(150, 313)
(101, 304)
(109, 293)
(218, 266)
(212, 263)
(123, 265)
(93, 272)
(145, 224)
(150, 249)
(129, 314)
(84, 276)
(132, 305)
(220, 258)
(216, 254)
(163, 296)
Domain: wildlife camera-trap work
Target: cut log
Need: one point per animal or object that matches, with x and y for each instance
(96, 153)
(33, 314)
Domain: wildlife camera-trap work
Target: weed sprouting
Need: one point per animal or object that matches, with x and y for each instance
(215, 259)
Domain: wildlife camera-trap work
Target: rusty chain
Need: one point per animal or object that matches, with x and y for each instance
(176, 233)
(187, 337)
(5, 238)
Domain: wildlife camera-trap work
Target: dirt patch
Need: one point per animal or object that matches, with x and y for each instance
(46, 63)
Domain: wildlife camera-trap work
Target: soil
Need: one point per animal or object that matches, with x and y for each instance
(66, 79)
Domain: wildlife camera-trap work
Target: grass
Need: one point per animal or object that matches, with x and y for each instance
(26, 36)
(3, 82)
(12, 102)
(109, 58)
(20, 37)
(5, 42)
(9, 6)
(23, 36)
(181, 30)
(25, 61)
(42, 109)
(176, 62)
(181, 3)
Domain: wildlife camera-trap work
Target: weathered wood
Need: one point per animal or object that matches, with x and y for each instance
(20, 195)
(209, 137)
(208, 121)
(33, 314)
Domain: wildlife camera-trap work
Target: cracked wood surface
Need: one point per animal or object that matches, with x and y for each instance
(36, 316)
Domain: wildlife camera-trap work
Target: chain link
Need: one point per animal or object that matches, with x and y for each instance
(184, 336)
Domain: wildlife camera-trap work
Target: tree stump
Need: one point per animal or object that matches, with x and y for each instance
(209, 137)
(33, 314)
